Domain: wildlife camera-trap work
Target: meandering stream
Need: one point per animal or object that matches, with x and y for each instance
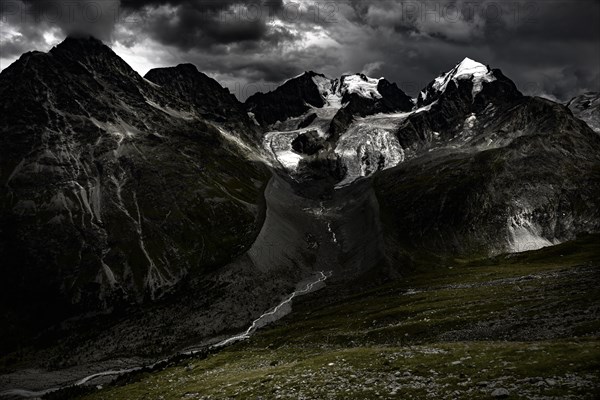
(306, 233)
(272, 315)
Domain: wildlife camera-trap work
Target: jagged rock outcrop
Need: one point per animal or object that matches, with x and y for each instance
(587, 108)
(308, 143)
(387, 98)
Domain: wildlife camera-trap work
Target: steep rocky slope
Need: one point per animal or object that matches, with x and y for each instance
(292, 99)
(489, 170)
(206, 97)
(115, 188)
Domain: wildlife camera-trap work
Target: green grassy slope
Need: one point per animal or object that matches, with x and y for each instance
(526, 323)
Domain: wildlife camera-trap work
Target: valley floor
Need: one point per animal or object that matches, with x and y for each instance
(525, 326)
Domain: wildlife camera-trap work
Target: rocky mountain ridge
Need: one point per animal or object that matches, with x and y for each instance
(351, 95)
(115, 189)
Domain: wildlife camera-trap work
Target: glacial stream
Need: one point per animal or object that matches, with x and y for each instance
(307, 232)
(270, 316)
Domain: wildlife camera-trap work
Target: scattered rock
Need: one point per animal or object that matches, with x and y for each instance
(500, 393)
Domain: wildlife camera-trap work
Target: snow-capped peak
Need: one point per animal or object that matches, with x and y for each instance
(361, 85)
(333, 90)
(467, 69)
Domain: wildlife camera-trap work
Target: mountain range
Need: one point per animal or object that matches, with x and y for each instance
(135, 198)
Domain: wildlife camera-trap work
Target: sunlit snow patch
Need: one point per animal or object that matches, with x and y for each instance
(172, 112)
(525, 235)
(333, 90)
(279, 144)
(248, 151)
(362, 85)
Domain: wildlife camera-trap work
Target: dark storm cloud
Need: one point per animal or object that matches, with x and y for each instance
(76, 17)
(30, 37)
(188, 24)
(256, 40)
(546, 46)
(213, 5)
(30, 24)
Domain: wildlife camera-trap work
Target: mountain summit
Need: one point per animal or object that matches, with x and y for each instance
(206, 97)
(107, 177)
(472, 78)
(473, 71)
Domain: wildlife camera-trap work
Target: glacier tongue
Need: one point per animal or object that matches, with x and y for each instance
(366, 149)
(279, 145)
(370, 145)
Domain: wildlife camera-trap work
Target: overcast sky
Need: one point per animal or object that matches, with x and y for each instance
(547, 47)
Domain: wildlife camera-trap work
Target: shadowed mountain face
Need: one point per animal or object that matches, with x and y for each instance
(206, 97)
(292, 99)
(489, 171)
(114, 189)
(391, 99)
